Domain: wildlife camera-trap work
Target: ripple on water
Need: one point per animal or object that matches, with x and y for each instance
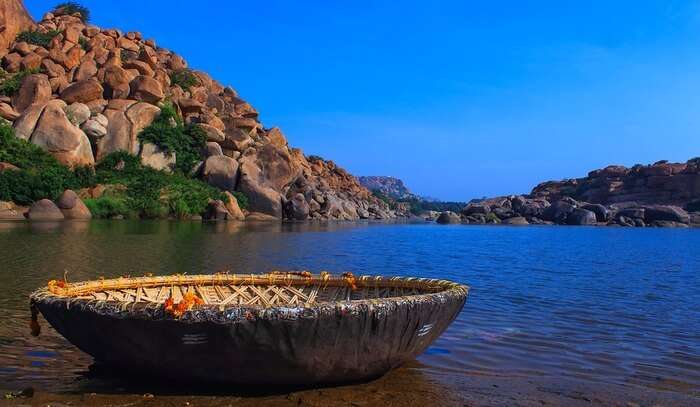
(596, 304)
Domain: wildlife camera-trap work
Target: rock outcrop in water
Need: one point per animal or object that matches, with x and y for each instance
(88, 92)
(662, 194)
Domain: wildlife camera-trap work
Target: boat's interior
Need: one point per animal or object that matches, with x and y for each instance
(266, 290)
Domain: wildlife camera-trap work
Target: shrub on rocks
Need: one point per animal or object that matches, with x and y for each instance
(70, 8)
(154, 194)
(107, 207)
(171, 135)
(42, 39)
(10, 84)
(39, 174)
(184, 78)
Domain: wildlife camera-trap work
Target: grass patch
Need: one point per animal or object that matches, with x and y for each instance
(10, 83)
(37, 38)
(107, 207)
(71, 7)
(184, 78)
(155, 194)
(172, 136)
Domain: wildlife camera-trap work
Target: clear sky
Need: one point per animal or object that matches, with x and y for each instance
(460, 99)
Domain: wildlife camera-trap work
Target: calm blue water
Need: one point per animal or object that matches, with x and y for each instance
(606, 305)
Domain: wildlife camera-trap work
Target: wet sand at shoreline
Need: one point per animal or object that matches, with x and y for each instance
(406, 386)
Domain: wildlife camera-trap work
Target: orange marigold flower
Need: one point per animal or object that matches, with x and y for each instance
(189, 300)
(350, 279)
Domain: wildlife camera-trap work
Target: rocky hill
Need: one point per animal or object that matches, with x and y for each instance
(659, 183)
(392, 187)
(83, 94)
(660, 194)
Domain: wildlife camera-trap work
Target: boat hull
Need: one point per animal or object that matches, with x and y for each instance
(331, 343)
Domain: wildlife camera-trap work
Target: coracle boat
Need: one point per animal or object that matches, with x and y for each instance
(283, 328)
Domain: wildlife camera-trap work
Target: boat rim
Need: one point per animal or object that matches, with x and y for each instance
(70, 293)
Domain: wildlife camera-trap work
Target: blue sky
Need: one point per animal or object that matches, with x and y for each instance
(460, 99)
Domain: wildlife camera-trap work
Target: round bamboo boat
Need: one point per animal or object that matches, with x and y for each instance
(283, 328)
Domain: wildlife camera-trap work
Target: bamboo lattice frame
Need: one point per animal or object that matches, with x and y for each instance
(223, 290)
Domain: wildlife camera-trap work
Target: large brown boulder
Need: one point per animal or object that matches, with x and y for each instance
(26, 123)
(82, 91)
(72, 206)
(146, 89)
(221, 171)
(665, 213)
(118, 137)
(126, 119)
(449, 217)
(278, 165)
(261, 197)
(141, 115)
(34, 89)
(152, 156)
(116, 82)
(14, 19)
(44, 209)
(57, 135)
(8, 211)
(213, 134)
(297, 208)
(235, 212)
(8, 113)
(86, 70)
(276, 137)
(580, 216)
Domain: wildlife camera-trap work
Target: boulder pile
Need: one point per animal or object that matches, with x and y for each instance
(523, 210)
(662, 194)
(90, 91)
(662, 183)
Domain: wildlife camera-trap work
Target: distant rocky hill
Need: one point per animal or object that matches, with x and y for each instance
(660, 194)
(83, 93)
(659, 183)
(392, 187)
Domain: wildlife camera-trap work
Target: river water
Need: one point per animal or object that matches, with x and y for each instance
(592, 305)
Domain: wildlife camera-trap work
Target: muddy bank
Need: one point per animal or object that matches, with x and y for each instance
(407, 386)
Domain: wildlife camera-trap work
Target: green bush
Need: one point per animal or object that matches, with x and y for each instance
(126, 55)
(185, 196)
(84, 43)
(149, 193)
(71, 7)
(107, 207)
(10, 84)
(169, 133)
(37, 38)
(184, 78)
(39, 176)
(154, 194)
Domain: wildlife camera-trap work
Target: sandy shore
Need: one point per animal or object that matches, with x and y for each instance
(407, 386)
